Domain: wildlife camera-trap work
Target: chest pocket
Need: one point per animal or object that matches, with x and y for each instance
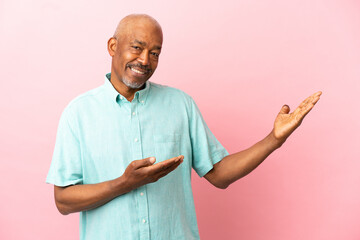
(166, 146)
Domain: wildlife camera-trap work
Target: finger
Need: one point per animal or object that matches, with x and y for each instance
(172, 160)
(313, 96)
(304, 104)
(166, 164)
(316, 97)
(284, 109)
(301, 106)
(302, 112)
(312, 100)
(143, 162)
(309, 106)
(318, 93)
(168, 170)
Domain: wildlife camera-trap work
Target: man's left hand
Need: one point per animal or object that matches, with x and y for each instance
(286, 122)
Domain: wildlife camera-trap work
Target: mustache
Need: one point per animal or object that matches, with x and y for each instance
(142, 67)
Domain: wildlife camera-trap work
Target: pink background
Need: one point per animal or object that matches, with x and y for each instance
(241, 61)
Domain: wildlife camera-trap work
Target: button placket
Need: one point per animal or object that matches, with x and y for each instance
(144, 213)
(140, 193)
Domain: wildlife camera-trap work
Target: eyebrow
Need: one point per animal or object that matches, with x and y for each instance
(140, 42)
(144, 44)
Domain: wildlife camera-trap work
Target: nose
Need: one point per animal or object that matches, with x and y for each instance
(144, 58)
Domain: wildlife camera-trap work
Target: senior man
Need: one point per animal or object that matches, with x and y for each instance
(109, 139)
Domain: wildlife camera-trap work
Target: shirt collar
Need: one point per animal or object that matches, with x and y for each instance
(140, 96)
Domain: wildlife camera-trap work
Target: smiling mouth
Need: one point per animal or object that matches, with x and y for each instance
(138, 71)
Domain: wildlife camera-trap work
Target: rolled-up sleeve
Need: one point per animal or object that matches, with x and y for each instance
(66, 166)
(206, 149)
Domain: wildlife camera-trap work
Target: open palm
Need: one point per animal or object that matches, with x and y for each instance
(286, 122)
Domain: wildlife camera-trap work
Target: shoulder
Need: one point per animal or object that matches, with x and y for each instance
(170, 92)
(84, 100)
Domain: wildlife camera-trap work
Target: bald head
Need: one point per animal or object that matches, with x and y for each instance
(135, 49)
(132, 21)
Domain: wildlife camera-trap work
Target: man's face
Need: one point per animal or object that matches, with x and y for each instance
(136, 54)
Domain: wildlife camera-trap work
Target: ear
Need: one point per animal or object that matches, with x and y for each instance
(111, 46)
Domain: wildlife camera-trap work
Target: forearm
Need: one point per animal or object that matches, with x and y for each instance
(88, 196)
(78, 198)
(237, 165)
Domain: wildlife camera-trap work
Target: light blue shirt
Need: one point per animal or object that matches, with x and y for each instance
(100, 133)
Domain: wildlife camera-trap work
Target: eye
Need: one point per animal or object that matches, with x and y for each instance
(155, 54)
(136, 47)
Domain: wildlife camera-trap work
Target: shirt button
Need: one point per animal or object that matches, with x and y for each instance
(144, 221)
(121, 98)
(136, 139)
(133, 113)
(141, 193)
(142, 101)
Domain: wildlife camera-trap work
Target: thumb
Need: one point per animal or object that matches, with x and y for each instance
(144, 162)
(284, 109)
(151, 160)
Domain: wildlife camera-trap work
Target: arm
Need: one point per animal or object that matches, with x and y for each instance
(237, 165)
(78, 198)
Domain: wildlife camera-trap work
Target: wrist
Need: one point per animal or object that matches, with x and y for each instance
(120, 186)
(275, 141)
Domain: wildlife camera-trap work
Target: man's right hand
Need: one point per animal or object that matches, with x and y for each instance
(144, 171)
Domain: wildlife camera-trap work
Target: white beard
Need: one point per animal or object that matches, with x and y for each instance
(133, 85)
